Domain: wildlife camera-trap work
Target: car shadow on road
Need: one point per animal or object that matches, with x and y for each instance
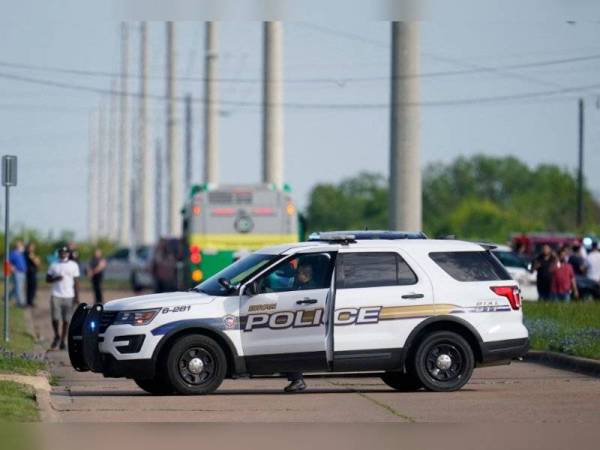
(224, 392)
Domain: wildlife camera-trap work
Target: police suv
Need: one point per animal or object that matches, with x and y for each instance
(419, 313)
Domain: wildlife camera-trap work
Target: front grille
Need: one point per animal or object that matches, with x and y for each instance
(106, 320)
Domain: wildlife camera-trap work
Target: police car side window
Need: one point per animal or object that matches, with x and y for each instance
(303, 272)
(375, 269)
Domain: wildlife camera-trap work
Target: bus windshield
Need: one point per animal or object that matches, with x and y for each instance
(236, 273)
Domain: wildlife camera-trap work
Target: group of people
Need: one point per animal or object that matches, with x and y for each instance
(24, 263)
(557, 270)
(63, 276)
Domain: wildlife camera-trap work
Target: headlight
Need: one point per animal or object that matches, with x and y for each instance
(138, 318)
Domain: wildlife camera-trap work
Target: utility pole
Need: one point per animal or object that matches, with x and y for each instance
(124, 157)
(93, 174)
(211, 125)
(158, 193)
(188, 143)
(144, 219)
(272, 169)
(103, 170)
(579, 220)
(405, 172)
(113, 199)
(174, 185)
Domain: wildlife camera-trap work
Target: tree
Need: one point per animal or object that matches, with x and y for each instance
(473, 198)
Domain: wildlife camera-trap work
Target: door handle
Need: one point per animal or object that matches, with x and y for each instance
(306, 301)
(413, 296)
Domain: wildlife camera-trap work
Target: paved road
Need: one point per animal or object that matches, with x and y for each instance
(521, 392)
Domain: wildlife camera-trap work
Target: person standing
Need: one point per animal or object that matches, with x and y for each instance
(19, 269)
(543, 264)
(96, 274)
(33, 263)
(64, 277)
(564, 284)
(593, 262)
(577, 261)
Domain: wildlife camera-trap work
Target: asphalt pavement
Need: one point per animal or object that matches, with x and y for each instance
(520, 392)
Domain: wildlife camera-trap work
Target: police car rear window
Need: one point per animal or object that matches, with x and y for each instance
(373, 269)
(470, 266)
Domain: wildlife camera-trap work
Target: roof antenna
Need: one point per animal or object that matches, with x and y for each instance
(366, 228)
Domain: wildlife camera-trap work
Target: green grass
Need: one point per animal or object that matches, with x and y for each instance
(17, 403)
(572, 328)
(16, 355)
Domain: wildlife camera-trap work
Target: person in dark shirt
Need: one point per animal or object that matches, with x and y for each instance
(96, 273)
(543, 264)
(33, 264)
(577, 261)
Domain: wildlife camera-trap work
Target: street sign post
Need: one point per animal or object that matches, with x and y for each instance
(9, 178)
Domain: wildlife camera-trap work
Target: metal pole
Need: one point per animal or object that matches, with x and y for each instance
(405, 171)
(158, 193)
(188, 143)
(6, 274)
(172, 148)
(125, 182)
(102, 179)
(92, 177)
(211, 124)
(113, 200)
(580, 168)
(272, 106)
(144, 218)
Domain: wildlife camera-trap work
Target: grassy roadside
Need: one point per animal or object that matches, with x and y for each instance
(573, 328)
(16, 356)
(17, 403)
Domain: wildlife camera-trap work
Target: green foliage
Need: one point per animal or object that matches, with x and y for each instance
(17, 356)
(572, 328)
(355, 203)
(17, 403)
(46, 245)
(473, 198)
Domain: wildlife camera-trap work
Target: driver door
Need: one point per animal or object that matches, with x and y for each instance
(283, 316)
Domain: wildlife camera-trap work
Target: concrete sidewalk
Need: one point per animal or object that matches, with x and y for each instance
(521, 392)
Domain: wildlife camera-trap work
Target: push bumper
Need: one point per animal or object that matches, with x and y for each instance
(506, 350)
(84, 351)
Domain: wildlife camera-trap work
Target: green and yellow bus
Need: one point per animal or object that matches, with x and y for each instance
(221, 224)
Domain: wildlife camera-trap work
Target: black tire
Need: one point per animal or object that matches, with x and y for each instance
(182, 355)
(155, 386)
(437, 350)
(403, 382)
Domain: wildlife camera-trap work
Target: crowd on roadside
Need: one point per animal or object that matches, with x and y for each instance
(557, 270)
(63, 277)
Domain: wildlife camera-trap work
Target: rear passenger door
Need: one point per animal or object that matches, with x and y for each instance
(381, 295)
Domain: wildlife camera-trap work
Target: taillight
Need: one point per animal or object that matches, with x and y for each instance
(512, 293)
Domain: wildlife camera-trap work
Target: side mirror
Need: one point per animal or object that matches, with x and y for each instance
(251, 289)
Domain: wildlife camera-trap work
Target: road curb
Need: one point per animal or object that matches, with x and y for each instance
(561, 361)
(42, 389)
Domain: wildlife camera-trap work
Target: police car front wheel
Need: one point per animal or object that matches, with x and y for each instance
(444, 361)
(196, 365)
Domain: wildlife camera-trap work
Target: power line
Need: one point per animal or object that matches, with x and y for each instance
(470, 69)
(301, 105)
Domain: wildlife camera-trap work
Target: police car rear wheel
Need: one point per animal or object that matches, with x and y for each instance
(156, 386)
(196, 365)
(403, 382)
(444, 361)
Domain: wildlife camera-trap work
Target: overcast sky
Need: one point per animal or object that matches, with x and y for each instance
(328, 62)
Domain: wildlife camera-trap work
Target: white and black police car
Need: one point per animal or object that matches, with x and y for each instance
(419, 313)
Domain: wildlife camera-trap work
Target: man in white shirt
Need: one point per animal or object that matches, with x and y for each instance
(64, 277)
(593, 261)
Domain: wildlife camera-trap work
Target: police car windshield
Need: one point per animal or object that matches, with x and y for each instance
(236, 273)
